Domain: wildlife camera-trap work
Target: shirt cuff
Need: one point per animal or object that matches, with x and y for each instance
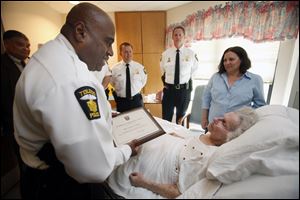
(126, 150)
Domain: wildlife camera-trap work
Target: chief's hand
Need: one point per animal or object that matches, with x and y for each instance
(134, 145)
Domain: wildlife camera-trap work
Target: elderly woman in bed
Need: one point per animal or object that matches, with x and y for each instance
(169, 165)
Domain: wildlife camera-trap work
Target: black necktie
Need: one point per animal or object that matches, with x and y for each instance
(23, 63)
(176, 78)
(128, 87)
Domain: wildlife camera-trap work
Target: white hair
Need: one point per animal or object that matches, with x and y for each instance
(248, 117)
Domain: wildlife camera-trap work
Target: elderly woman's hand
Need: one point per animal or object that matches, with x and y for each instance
(137, 179)
(134, 145)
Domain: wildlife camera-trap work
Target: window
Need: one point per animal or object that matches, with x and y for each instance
(263, 58)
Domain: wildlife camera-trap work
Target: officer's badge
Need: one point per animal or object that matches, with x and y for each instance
(87, 98)
(187, 58)
(137, 72)
(169, 60)
(196, 57)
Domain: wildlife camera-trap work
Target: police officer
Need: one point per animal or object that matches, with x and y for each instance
(128, 79)
(62, 118)
(104, 77)
(177, 66)
(17, 50)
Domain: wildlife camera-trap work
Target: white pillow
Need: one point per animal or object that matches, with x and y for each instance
(261, 187)
(270, 147)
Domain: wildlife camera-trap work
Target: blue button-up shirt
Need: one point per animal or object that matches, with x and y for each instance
(220, 98)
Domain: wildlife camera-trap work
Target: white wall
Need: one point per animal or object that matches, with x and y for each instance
(36, 20)
(294, 98)
(286, 80)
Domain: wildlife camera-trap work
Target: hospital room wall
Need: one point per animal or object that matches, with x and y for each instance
(38, 21)
(41, 23)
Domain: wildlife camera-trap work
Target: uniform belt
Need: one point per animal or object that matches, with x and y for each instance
(177, 86)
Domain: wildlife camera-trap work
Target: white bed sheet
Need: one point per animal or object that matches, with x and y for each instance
(252, 186)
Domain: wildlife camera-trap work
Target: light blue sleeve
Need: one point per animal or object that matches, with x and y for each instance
(206, 98)
(258, 93)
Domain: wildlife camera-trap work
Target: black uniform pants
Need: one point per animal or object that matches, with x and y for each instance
(55, 183)
(175, 98)
(124, 104)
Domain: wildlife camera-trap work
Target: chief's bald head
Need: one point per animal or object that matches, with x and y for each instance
(86, 12)
(91, 32)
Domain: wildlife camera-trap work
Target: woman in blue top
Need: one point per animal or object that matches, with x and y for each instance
(232, 86)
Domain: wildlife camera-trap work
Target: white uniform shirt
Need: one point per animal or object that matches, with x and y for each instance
(188, 64)
(105, 71)
(50, 96)
(138, 78)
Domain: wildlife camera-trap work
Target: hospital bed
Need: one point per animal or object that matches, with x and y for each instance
(261, 163)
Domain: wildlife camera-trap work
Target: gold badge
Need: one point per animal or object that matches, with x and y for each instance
(87, 98)
(187, 58)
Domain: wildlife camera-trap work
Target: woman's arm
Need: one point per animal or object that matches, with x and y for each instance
(204, 118)
(166, 190)
(258, 93)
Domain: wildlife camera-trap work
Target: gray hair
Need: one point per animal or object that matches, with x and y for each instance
(248, 117)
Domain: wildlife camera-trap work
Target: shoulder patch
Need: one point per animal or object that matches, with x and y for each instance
(87, 98)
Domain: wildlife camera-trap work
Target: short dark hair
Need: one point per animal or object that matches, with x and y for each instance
(178, 27)
(243, 56)
(13, 34)
(125, 44)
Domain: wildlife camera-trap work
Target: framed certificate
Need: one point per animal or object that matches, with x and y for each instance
(135, 124)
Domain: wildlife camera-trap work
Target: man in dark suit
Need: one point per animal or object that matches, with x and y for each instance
(17, 50)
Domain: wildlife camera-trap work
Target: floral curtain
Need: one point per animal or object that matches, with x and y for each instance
(256, 20)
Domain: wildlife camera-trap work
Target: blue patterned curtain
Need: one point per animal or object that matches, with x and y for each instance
(256, 20)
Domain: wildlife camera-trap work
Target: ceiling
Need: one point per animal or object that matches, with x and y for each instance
(116, 6)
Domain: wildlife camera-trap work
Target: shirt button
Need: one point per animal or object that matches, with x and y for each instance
(183, 158)
(201, 153)
(193, 147)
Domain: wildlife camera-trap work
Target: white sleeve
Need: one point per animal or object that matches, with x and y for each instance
(107, 71)
(162, 63)
(113, 77)
(84, 146)
(143, 76)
